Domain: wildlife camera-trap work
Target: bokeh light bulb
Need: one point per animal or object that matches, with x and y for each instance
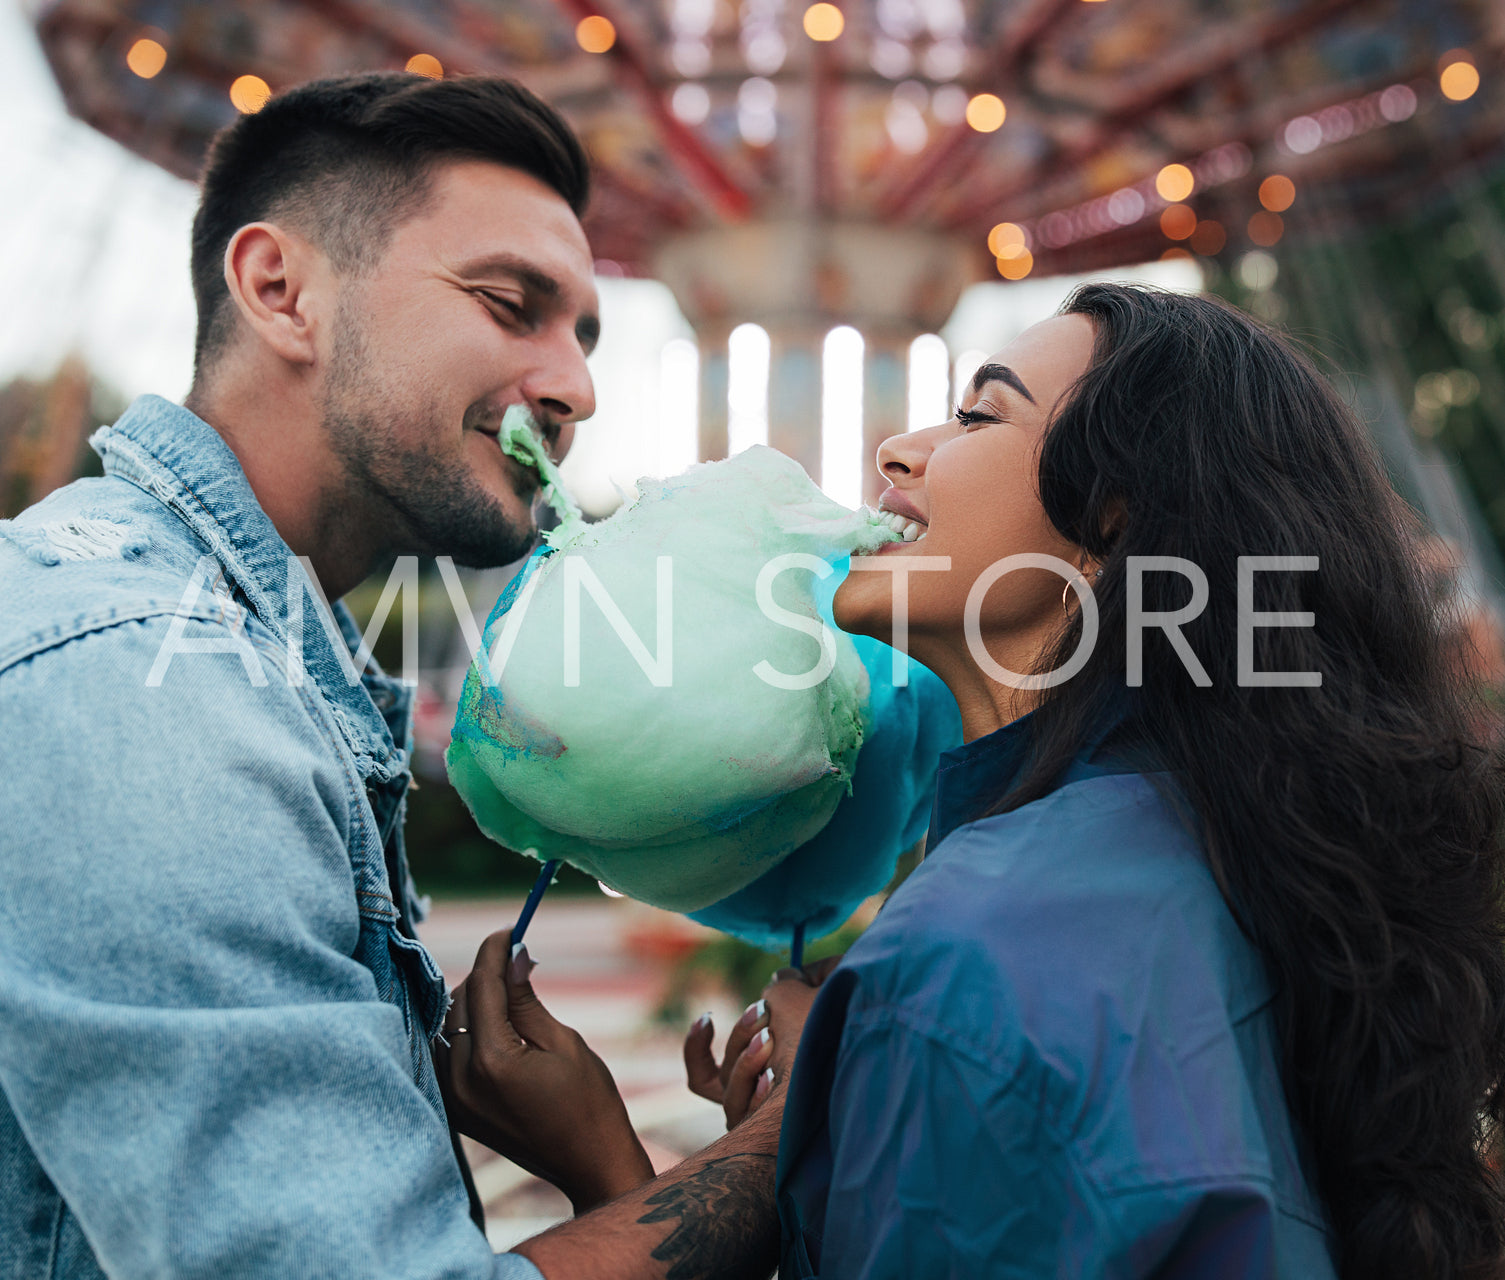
(146, 57)
(824, 22)
(249, 94)
(1174, 182)
(1459, 80)
(595, 34)
(986, 112)
(1006, 235)
(1277, 193)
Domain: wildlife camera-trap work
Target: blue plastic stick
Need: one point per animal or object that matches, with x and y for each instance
(535, 896)
(797, 947)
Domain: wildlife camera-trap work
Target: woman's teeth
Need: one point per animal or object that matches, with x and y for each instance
(909, 530)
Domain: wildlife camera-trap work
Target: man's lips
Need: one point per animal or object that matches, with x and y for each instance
(525, 480)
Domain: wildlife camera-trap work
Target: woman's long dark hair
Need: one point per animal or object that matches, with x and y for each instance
(1354, 828)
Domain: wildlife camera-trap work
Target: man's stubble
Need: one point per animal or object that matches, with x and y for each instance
(414, 501)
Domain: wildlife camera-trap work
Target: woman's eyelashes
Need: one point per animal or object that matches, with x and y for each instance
(966, 419)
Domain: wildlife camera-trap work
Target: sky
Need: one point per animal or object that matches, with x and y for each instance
(94, 260)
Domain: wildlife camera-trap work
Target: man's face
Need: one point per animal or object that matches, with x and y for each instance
(483, 300)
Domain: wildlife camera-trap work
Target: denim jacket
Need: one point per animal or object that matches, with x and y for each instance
(214, 1016)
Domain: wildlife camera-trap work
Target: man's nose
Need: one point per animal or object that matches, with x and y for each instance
(560, 385)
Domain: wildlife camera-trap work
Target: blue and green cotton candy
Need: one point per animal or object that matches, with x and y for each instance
(712, 791)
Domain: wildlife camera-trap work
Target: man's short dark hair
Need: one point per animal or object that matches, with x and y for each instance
(346, 159)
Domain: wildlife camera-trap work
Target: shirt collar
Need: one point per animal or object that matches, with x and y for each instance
(974, 776)
(183, 462)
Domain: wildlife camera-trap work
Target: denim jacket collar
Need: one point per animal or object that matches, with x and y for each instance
(181, 460)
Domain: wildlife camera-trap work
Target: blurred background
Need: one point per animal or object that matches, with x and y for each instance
(811, 222)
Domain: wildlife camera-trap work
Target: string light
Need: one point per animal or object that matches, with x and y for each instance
(1209, 238)
(1017, 267)
(1459, 80)
(146, 57)
(595, 34)
(824, 22)
(1178, 222)
(986, 112)
(425, 64)
(1006, 235)
(1174, 182)
(1266, 228)
(1277, 193)
(249, 94)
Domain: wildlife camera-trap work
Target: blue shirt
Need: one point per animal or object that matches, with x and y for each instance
(214, 1018)
(1052, 1054)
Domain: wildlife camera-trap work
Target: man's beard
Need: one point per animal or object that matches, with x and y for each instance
(435, 508)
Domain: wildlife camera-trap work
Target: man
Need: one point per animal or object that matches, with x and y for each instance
(215, 1057)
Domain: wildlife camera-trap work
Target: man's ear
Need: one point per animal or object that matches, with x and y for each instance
(275, 278)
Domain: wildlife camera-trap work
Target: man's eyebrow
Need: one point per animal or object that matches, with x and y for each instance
(496, 264)
(1000, 373)
(588, 329)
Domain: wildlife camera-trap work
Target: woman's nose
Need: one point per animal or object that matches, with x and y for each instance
(905, 455)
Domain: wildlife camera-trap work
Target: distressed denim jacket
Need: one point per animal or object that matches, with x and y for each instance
(214, 1016)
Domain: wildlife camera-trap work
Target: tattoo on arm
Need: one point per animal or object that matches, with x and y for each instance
(724, 1211)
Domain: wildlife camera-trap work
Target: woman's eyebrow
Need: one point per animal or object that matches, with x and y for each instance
(1000, 373)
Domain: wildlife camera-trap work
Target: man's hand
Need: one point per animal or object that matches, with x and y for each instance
(761, 1047)
(530, 1088)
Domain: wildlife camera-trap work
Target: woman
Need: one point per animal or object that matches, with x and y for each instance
(1204, 974)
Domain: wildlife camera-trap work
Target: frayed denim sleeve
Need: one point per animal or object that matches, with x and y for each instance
(198, 1061)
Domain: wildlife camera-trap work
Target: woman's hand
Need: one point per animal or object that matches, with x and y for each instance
(530, 1088)
(761, 1047)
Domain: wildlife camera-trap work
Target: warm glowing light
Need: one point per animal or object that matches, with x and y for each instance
(425, 64)
(249, 94)
(1178, 221)
(679, 407)
(1209, 238)
(1459, 80)
(824, 22)
(748, 351)
(1266, 228)
(929, 381)
(595, 34)
(1017, 268)
(1174, 182)
(1006, 235)
(1174, 253)
(146, 58)
(1277, 193)
(986, 112)
(841, 460)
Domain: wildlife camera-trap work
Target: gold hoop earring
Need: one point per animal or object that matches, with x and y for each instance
(1066, 608)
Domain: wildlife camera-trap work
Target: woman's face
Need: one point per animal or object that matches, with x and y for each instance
(972, 484)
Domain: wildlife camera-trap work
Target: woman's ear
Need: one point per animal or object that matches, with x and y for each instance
(274, 280)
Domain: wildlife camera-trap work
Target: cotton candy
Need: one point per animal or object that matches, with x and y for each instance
(855, 854)
(661, 755)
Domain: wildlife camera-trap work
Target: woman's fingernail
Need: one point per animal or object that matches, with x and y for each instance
(702, 1022)
(752, 1013)
(521, 966)
(761, 1039)
(765, 1083)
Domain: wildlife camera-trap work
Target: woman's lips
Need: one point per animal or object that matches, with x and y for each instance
(893, 500)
